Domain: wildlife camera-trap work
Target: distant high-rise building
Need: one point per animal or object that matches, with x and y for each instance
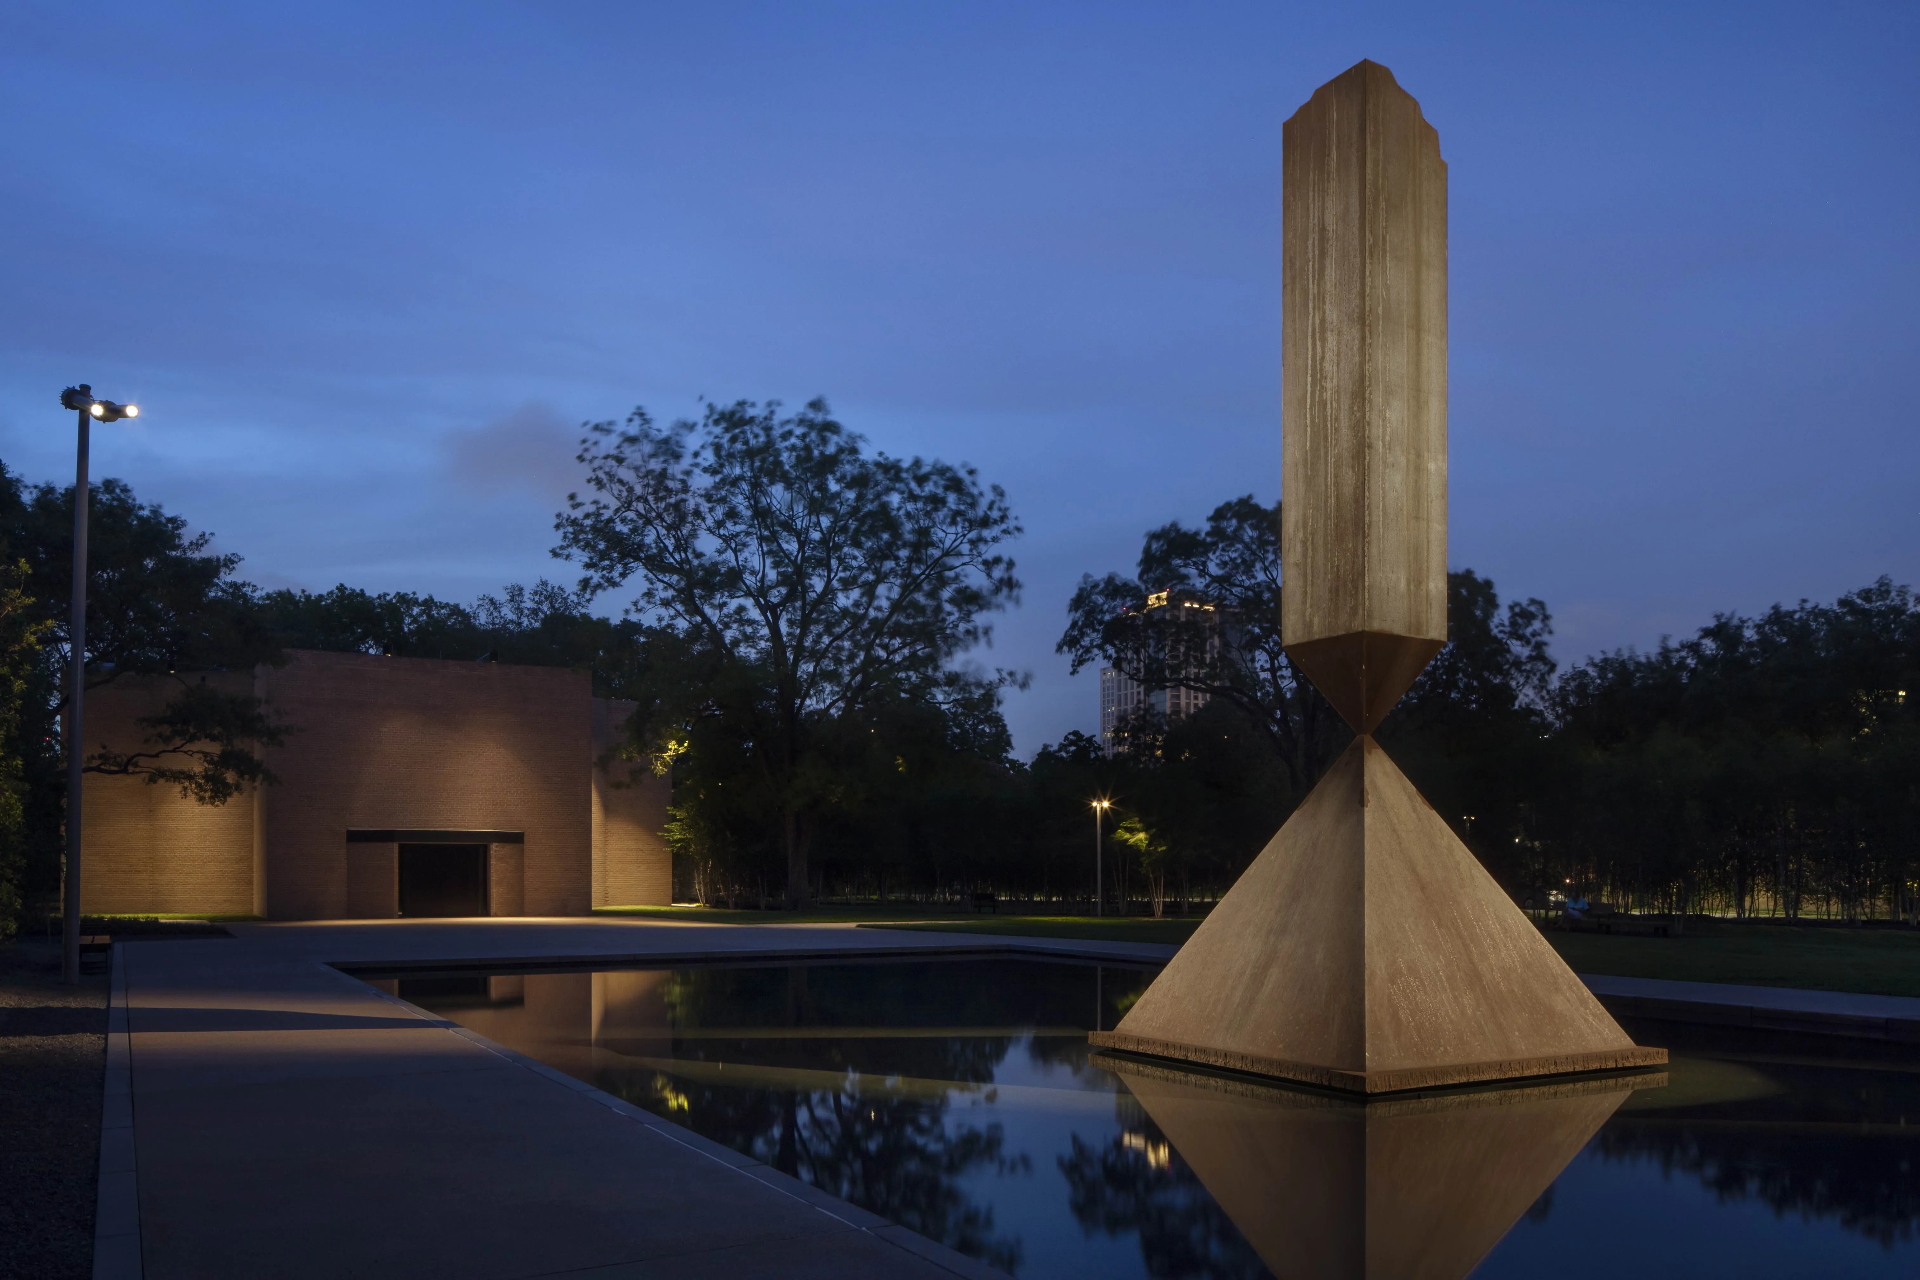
(1122, 697)
(1119, 699)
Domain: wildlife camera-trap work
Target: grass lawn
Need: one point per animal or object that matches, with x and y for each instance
(1873, 961)
(955, 920)
(209, 917)
(1883, 962)
(866, 913)
(1080, 928)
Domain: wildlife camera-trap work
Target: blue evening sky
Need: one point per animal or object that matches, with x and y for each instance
(368, 266)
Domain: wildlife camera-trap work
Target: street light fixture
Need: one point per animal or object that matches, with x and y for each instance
(1100, 808)
(88, 408)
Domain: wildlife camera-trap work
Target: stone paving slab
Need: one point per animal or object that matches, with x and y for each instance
(489, 1173)
(116, 1215)
(1836, 1013)
(289, 1120)
(563, 940)
(847, 1254)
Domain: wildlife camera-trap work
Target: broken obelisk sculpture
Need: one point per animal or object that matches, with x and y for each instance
(1366, 949)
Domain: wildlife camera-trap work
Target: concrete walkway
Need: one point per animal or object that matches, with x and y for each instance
(1832, 1013)
(289, 1120)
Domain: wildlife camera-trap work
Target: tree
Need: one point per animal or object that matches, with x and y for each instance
(1151, 853)
(925, 800)
(396, 624)
(1204, 614)
(798, 579)
(1215, 794)
(158, 600)
(159, 603)
(1227, 646)
(20, 638)
(544, 625)
(1474, 731)
(1772, 756)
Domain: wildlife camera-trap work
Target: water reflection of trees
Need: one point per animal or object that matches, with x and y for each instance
(877, 1113)
(1138, 1183)
(1834, 1137)
(1869, 1184)
(906, 995)
(898, 1156)
(859, 1121)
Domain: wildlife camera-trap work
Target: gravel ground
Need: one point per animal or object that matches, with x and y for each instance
(53, 1048)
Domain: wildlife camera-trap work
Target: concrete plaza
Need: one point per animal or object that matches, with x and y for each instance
(268, 1114)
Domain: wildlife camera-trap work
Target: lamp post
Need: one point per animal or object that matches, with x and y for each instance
(81, 400)
(1100, 808)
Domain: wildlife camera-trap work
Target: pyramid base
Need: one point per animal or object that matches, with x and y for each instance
(1380, 1082)
(1366, 950)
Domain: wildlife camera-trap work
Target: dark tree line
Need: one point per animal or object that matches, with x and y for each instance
(800, 622)
(1766, 765)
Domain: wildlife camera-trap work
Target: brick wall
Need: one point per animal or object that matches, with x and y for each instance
(385, 743)
(631, 863)
(416, 743)
(145, 847)
(373, 881)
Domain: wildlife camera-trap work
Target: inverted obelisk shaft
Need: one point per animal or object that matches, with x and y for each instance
(1364, 392)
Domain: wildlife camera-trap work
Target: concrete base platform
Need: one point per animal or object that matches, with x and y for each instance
(1366, 949)
(1382, 1082)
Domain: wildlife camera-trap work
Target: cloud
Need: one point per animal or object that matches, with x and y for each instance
(531, 450)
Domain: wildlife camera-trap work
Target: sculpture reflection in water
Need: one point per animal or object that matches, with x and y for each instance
(1322, 1186)
(958, 1097)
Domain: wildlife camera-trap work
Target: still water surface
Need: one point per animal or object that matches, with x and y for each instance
(959, 1098)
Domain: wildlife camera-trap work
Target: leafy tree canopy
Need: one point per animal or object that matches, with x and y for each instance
(159, 600)
(791, 580)
(1226, 646)
(159, 603)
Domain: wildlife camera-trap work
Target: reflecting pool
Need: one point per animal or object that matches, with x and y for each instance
(958, 1097)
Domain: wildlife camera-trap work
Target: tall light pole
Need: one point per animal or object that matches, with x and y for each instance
(1100, 808)
(81, 400)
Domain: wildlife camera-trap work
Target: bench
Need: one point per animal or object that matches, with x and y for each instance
(986, 902)
(1603, 918)
(96, 944)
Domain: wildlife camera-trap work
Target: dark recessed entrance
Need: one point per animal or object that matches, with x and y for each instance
(443, 879)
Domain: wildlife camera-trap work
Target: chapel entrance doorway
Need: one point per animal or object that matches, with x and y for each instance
(443, 880)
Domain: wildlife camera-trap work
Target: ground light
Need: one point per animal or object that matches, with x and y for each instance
(83, 402)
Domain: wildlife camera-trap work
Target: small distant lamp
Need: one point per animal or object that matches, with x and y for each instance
(88, 408)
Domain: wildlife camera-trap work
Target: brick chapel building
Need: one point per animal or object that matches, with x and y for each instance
(406, 787)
